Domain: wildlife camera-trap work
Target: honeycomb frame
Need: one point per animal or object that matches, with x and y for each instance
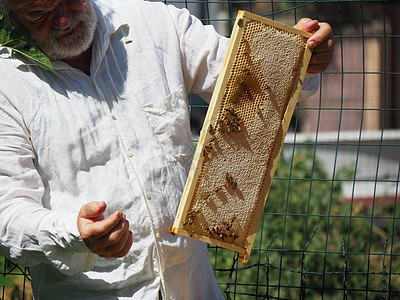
(243, 133)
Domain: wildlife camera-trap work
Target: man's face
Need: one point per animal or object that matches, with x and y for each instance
(62, 28)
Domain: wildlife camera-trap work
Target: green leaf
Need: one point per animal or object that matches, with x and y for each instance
(15, 44)
(3, 23)
(19, 41)
(4, 281)
(4, 38)
(34, 55)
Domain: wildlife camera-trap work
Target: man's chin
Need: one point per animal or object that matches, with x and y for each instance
(68, 56)
(62, 52)
(69, 47)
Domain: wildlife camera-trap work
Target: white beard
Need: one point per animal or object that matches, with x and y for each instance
(57, 48)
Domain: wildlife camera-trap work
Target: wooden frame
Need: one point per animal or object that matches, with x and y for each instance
(225, 207)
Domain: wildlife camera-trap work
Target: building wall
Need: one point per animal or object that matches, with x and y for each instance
(371, 159)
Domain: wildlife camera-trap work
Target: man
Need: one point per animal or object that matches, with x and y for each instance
(103, 139)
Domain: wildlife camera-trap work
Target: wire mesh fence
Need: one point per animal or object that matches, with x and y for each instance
(331, 226)
(18, 278)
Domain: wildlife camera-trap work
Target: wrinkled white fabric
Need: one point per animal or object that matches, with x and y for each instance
(120, 135)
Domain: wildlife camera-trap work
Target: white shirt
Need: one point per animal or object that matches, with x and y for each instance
(120, 135)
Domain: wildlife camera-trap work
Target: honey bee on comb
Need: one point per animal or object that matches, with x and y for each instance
(245, 126)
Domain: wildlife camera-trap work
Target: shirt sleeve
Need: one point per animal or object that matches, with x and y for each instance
(310, 86)
(31, 234)
(203, 52)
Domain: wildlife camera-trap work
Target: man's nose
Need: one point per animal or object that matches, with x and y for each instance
(62, 16)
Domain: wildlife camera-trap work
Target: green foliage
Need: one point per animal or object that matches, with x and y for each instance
(312, 242)
(19, 41)
(4, 281)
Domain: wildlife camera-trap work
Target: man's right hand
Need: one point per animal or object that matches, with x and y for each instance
(108, 237)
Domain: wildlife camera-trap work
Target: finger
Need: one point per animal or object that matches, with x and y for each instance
(124, 251)
(326, 46)
(321, 58)
(92, 209)
(324, 33)
(101, 229)
(307, 24)
(317, 68)
(116, 249)
(114, 236)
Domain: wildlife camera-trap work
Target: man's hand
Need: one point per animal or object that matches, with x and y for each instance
(321, 42)
(108, 237)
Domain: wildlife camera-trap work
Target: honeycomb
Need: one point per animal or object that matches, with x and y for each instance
(243, 134)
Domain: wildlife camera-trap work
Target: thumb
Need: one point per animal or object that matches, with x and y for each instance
(92, 209)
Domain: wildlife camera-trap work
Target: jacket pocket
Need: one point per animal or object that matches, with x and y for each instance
(169, 120)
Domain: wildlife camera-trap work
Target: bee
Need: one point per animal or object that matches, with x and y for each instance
(259, 110)
(191, 233)
(171, 231)
(211, 130)
(193, 212)
(226, 225)
(232, 112)
(230, 181)
(208, 196)
(206, 150)
(236, 127)
(218, 189)
(128, 42)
